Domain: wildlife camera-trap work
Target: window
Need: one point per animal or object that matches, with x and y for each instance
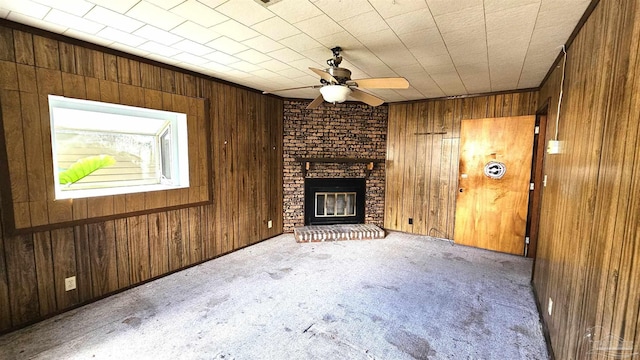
(107, 149)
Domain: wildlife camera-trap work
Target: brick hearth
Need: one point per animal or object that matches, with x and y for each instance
(349, 130)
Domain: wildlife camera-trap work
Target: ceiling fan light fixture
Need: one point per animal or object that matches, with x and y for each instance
(335, 93)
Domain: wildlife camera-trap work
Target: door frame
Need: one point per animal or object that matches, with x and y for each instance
(537, 177)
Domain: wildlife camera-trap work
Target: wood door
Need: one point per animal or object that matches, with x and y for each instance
(491, 211)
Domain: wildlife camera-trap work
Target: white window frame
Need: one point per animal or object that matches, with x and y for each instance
(129, 120)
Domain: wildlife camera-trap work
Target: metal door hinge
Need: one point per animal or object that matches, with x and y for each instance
(536, 130)
(532, 186)
(526, 240)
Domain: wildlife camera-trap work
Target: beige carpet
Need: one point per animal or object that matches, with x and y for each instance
(401, 297)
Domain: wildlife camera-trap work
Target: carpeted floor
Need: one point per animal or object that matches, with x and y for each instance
(402, 297)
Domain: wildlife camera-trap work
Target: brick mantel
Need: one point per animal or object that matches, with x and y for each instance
(342, 131)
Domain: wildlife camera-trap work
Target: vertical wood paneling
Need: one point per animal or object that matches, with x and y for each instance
(44, 272)
(102, 250)
(138, 249)
(23, 43)
(423, 155)
(107, 256)
(591, 192)
(158, 244)
(122, 253)
(22, 279)
(83, 263)
(5, 306)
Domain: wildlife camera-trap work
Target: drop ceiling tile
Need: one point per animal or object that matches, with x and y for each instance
(462, 50)
(265, 74)
(410, 22)
(227, 45)
(165, 4)
(28, 8)
(122, 37)
(318, 54)
(439, 7)
(157, 35)
(75, 7)
(389, 9)
(499, 5)
(295, 11)
(73, 22)
(286, 55)
(192, 47)
(113, 19)
(343, 39)
(433, 61)
(410, 70)
(87, 37)
(424, 42)
(237, 73)
(247, 12)
(364, 23)
(191, 59)
(213, 3)
(518, 22)
(300, 42)
(221, 58)
(217, 67)
(129, 49)
(235, 30)
(31, 21)
(4, 13)
(199, 13)
(162, 59)
(195, 32)
(154, 15)
(253, 56)
(276, 28)
(120, 6)
(263, 44)
(462, 23)
(275, 65)
(292, 73)
(245, 66)
(340, 10)
(155, 48)
(305, 64)
(319, 26)
(386, 46)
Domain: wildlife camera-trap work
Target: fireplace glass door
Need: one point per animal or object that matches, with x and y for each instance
(335, 204)
(334, 201)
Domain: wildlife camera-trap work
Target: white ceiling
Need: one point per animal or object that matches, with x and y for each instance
(443, 47)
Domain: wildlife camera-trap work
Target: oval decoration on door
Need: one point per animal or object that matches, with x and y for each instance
(495, 169)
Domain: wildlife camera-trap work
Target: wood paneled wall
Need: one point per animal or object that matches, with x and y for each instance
(107, 256)
(30, 199)
(422, 157)
(588, 259)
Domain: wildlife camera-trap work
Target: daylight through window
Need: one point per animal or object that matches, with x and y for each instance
(107, 149)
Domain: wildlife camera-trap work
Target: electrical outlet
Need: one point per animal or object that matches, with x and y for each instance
(269, 224)
(550, 307)
(410, 221)
(70, 283)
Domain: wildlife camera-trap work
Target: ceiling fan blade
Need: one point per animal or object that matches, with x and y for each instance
(325, 75)
(295, 88)
(381, 83)
(366, 97)
(316, 102)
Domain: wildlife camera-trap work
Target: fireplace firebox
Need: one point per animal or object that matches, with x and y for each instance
(334, 201)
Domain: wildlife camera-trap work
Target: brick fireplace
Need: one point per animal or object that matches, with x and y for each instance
(342, 131)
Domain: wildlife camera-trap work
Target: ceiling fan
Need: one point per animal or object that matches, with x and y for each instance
(336, 84)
